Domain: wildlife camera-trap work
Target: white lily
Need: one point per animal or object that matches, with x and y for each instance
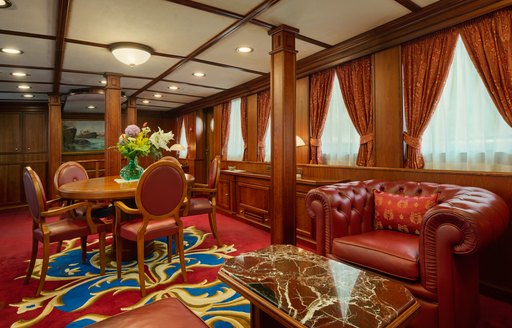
(160, 139)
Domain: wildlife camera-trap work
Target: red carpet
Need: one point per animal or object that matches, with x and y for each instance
(15, 251)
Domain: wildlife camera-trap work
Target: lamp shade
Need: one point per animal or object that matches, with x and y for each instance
(131, 54)
(177, 147)
(299, 142)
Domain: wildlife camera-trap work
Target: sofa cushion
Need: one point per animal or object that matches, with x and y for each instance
(401, 212)
(390, 252)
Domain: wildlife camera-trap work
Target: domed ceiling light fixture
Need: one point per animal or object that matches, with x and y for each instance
(5, 3)
(131, 54)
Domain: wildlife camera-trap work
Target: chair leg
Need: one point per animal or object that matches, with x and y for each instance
(103, 257)
(140, 262)
(33, 257)
(180, 245)
(169, 248)
(59, 246)
(44, 267)
(119, 255)
(83, 243)
(213, 225)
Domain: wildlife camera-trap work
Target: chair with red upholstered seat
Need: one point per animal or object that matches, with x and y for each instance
(66, 228)
(159, 196)
(198, 205)
(74, 171)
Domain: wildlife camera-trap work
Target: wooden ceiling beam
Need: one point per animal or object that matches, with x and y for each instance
(62, 27)
(223, 34)
(230, 14)
(409, 4)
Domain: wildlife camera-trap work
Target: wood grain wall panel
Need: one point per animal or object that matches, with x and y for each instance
(252, 127)
(388, 108)
(302, 119)
(54, 138)
(253, 200)
(113, 126)
(10, 125)
(217, 118)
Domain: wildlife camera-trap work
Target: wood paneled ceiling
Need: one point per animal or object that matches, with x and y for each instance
(65, 42)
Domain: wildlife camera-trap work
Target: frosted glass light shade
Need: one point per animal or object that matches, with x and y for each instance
(299, 142)
(131, 54)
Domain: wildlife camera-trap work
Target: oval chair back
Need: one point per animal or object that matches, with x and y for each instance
(214, 173)
(69, 172)
(34, 193)
(172, 159)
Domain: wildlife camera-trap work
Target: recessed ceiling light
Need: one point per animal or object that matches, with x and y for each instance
(28, 96)
(91, 107)
(145, 101)
(11, 51)
(103, 81)
(5, 3)
(174, 87)
(23, 87)
(244, 50)
(199, 74)
(19, 74)
(157, 95)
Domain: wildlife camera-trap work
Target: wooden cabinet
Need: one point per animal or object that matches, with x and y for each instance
(247, 196)
(23, 142)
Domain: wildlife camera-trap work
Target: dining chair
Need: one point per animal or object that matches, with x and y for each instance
(68, 227)
(172, 159)
(73, 171)
(206, 205)
(159, 196)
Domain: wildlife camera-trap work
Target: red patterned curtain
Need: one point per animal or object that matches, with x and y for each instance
(488, 41)
(319, 96)
(356, 87)
(263, 119)
(426, 63)
(226, 112)
(243, 118)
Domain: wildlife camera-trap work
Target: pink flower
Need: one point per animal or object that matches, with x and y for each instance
(132, 130)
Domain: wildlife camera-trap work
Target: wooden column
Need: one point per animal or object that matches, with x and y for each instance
(112, 122)
(131, 111)
(54, 139)
(282, 93)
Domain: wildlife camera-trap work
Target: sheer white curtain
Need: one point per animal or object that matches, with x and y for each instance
(235, 140)
(466, 131)
(268, 149)
(340, 140)
(183, 141)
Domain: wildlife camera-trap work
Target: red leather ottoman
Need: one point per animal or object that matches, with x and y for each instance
(161, 313)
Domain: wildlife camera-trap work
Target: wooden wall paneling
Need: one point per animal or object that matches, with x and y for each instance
(10, 184)
(388, 108)
(210, 135)
(253, 200)
(302, 119)
(35, 129)
(54, 138)
(217, 118)
(131, 111)
(112, 123)
(282, 95)
(224, 193)
(201, 163)
(11, 127)
(252, 128)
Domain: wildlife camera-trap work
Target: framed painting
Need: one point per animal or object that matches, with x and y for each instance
(83, 136)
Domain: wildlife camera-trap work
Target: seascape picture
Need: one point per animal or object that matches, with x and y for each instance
(83, 135)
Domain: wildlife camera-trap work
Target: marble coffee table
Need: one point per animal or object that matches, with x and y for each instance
(291, 287)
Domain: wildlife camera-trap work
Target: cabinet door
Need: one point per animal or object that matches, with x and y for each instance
(10, 184)
(35, 132)
(224, 194)
(10, 127)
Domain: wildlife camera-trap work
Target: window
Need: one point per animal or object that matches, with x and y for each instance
(268, 147)
(235, 140)
(183, 141)
(340, 140)
(466, 131)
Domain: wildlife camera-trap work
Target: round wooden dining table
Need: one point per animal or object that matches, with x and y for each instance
(105, 188)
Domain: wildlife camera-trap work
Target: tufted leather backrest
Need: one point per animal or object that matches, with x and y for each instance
(69, 172)
(161, 189)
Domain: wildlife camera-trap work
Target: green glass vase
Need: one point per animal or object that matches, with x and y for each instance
(132, 171)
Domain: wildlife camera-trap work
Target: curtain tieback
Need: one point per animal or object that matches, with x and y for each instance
(261, 144)
(366, 138)
(315, 142)
(412, 141)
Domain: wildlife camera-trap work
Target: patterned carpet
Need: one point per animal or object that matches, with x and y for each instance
(77, 290)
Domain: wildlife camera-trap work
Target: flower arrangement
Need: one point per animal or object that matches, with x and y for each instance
(137, 142)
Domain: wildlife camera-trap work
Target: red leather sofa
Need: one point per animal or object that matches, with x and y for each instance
(440, 266)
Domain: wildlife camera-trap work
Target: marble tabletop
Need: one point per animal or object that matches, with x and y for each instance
(318, 292)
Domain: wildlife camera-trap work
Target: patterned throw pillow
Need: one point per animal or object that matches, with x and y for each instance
(400, 212)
